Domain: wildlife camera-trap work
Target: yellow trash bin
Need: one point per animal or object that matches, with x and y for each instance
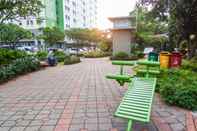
(164, 59)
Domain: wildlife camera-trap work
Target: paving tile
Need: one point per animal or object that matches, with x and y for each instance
(78, 95)
(5, 128)
(17, 129)
(32, 128)
(47, 128)
(177, 127)
(9, 124)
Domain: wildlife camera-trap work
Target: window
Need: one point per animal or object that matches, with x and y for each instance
(67, 8)
(67, 17)
(27, 22)
(74, 20)
(74, 12)
(74, 4)
(31, 22)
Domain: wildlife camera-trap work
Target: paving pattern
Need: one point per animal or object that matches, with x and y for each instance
(75, 98)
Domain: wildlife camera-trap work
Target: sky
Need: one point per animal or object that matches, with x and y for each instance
(113, 8)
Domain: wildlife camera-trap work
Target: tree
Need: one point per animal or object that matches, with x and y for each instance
(182, 21)
(11, 34)
(82, 36)
(52, 35)
(149, 29)
(14, 9)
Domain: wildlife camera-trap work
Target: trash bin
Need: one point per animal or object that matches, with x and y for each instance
(52, 61)
(164, 59)
(175, 59)
(152, 56)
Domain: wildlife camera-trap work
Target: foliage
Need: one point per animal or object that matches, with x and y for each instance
(18, 67)
(178, 87)
(82, 36)
(41, 55)
(181, 16)
(121, 55)
(184, 17)
(124, 56)
(71, 60)
(156, 41)
(105, 45)
(7, 56)
(15, 9)
(60, 55)
(149, 29)
(11, 33)
(52, 35)
(190, 65)
(95, 54)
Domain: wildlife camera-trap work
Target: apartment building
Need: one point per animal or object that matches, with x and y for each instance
(80, 13)
(63, 14)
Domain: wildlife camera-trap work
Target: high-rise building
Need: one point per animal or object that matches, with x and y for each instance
(80, 13)
(50, 16)
(64, 14)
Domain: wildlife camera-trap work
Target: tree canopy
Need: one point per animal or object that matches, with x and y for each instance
(181, 18)
(52, 35)
(14, 9)
(84, 35)
(11, 33)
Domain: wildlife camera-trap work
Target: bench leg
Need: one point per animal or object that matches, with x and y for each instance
(129, 128)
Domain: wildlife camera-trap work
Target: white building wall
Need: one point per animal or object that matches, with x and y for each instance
(80, 13)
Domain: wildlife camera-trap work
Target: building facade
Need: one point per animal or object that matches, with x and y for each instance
(80, 13)
(64, 14)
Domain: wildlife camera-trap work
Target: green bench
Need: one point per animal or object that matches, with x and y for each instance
(121, 78)
(136, 104)
(137, 101)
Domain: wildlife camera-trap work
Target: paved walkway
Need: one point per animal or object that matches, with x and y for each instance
(73, 98)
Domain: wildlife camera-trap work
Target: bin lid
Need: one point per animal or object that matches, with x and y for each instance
(176, 53)
(165, 53)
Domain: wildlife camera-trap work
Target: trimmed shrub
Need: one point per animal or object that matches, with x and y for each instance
(41, 55)
(178, 87)
(95, 54)
(189, 65)
(121, 55)
(8, 55)
(18, 67)
(60, 55)
(71, 60)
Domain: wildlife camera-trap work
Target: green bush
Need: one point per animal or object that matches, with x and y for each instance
(60, 55)
(95, 54)
(105, 46)
(121, 55)
(178, 87)
(8, 55)
(41, 55)
(18, 67)
(189, 65)
(71, 60)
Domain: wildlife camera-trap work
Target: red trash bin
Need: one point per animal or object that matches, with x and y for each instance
(176, 59)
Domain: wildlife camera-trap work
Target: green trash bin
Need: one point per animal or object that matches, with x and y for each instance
(152, 56)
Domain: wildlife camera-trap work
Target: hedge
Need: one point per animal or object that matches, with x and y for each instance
(18, 67)
(178, 87)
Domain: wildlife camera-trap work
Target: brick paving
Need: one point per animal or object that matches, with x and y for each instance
(75, 98)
